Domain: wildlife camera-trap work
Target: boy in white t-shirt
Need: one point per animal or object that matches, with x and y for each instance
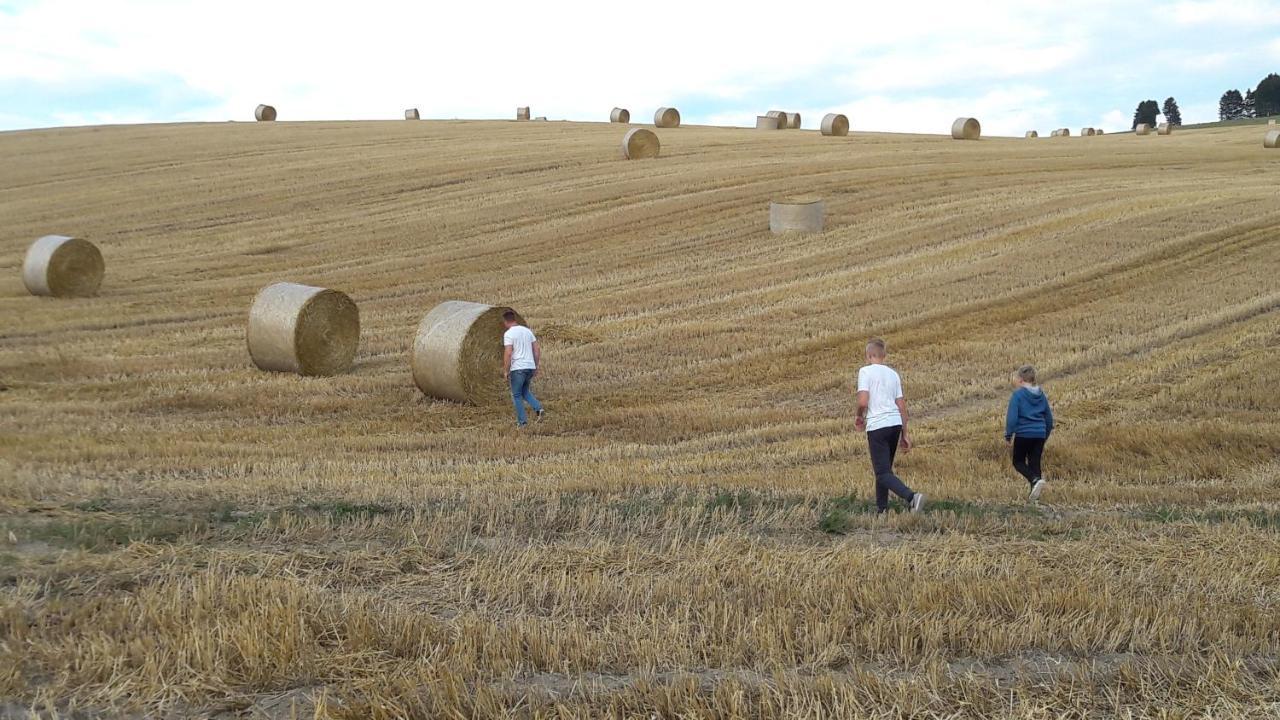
(882, 413)
(520, 362)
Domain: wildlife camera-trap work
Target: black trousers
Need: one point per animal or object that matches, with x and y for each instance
(1026, 457)
(883, 444)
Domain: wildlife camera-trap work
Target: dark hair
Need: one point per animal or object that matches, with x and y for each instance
(509, 316)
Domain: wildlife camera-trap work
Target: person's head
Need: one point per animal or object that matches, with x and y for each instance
(1025, 375)
(875, 350)
(509, 319)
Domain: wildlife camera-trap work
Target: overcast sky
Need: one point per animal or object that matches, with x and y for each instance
(899, 66)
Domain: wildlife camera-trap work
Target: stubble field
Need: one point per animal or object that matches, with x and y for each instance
(690, 533)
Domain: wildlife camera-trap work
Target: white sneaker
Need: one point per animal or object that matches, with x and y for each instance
(1036, 489)
(917, 502)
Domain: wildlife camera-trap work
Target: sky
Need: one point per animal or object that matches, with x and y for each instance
(896, 66)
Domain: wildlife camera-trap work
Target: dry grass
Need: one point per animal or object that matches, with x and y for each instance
(689, 536)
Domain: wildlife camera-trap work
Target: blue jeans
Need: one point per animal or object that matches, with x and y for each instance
(522, 392)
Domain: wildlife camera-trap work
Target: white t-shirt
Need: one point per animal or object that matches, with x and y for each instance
(884, 387)
(520, 339)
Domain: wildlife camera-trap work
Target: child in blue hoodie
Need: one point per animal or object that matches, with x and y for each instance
(1027, 426)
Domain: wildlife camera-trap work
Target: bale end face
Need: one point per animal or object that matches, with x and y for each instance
(640, 144)
(1142, 129)
(620, 115)
(457, 353)
(303, 329)
(1032, 134)
(764, 122)
(667, 117)
(1164, 129)
(411, 114)
(803, 214)
(264, 113)
(835, 125)
(522, 113)
(793, 121)
(61, 266)
(966, 129)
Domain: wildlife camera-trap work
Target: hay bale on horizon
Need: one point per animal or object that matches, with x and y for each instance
(966, 129)
(640, 144)
(667, 117)
(264, 113)
(793, 120)
(303, 329)
(62, 266)
(412, 114)
(522, 113)
(1271, 140)
(1142, 129)
(1032, 134)
(764, 122)
(803, 214)
(1061, 132)
(780, 116)
(1097, 131)
(457, 352)
(1164, 128)
(1086, 132)
(620, 115)
(835, 125)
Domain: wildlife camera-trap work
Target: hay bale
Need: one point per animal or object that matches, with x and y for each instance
(303, 329)
(1097, 131)
(1142, 129)
(1272, 121)
(412, 114)
(765, 122)
(264, 113)
(640, 144)
(620, 115)
(796, 214)
(835, 125)
(1061, 132)
(1164, 128)
(966, 129)
(1271, 140)
(1086, 132)
(1032, 134)
(61, 266)
(540, 118)
(780, 116)
(667, 117)
(457, 352)
(522, 113)
(793, 121)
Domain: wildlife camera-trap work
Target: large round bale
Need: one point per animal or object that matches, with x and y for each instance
(966, 129)
(264, 113)
(1097, 131)
(522, 113)
(412, 114)
(1142, 129)
(1061, 132)
(667, 117)
(765, 122)
(61, 266)
(303, 329)
(796, 214)
(793, 121)
(1164, 129)
(1086, 132)
(835, 124)
(1272, 139)
(620, 115)
(457, 353)
(780, 116)
(1032, 134)
(640, 144)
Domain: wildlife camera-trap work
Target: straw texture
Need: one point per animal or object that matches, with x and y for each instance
(412, 114)
(765, 122)
(1032, 134)
(1142, 129)
(667, 117)
(620, 115)
(966, 129)
(61, 266)
(522, 113)
(1164, 129)
(303, 329)
(457, 352)
(264, 113)
(640, 144)
(1272, 139)
(796, 214)
(835, 124)
(793, 121)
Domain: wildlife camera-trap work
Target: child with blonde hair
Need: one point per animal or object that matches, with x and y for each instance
(1028, 425)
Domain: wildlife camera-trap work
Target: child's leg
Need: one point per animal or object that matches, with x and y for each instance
(1035, 452)
(1021, 458)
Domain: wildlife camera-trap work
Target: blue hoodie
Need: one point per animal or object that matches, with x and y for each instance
(1029, 414)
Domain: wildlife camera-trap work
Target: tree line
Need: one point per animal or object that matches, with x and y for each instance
(1262, 101)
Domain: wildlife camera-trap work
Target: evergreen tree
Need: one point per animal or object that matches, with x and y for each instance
(1147, 112)
(1231, 106)
(1247, 108)
(1267, 97)
(1172, 114)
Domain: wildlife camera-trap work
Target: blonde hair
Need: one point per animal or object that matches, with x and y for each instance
(1027, 374)
(875, 347)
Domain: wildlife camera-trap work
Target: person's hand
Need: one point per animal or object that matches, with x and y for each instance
(536, 373)
(904, 442)
(1008, 441)
(860, 423)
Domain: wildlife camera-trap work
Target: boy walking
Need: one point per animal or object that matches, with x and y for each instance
(882, 412)
(1028, 424)
(521, 359)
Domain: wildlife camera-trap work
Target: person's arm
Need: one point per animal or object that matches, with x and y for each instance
(506, 362)
(905, 440)
(1048, 418)
(864, 399)
(537, 359)
(1011, 418)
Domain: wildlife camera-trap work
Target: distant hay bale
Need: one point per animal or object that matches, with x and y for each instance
(1272, 121)
(793, 120)
(522, 113)
(412, 114)
(765, 122)
(1164, 128)
(457, 352)
(264, 113)
(620, 115)
(1086, 132)
(835, 125)
(303, 329)
(1061, 132)
(1097, 131)
(796, 214)
(1142, 129)
(966, 129)
(640, 144)
(540, 118)
(667, 117)
(61, 266)
(1032, 134)
(780, 116)
(1272, 139)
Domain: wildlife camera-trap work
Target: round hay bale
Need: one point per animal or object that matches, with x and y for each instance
(796, 214)
(1032, 134)
(1272, 121)
(1271, 140)
(667, 117)
(764, 122)
(780, 116)
(793, 121)
(457, 352)
(412, 114)
(1164, 129)
(522, 113)
(835, 124)
(540, 118)
(303, 329)
(1061, 132)
(1097, 131)
(264, 113)
(640, 144)
(620, 115)
(61, 266)
(1142, 129)
(966, 129)
(1086, 132)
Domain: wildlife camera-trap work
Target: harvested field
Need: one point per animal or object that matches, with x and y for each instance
(689, 535)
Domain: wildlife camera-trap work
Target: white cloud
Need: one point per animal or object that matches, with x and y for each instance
(1225, 12)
